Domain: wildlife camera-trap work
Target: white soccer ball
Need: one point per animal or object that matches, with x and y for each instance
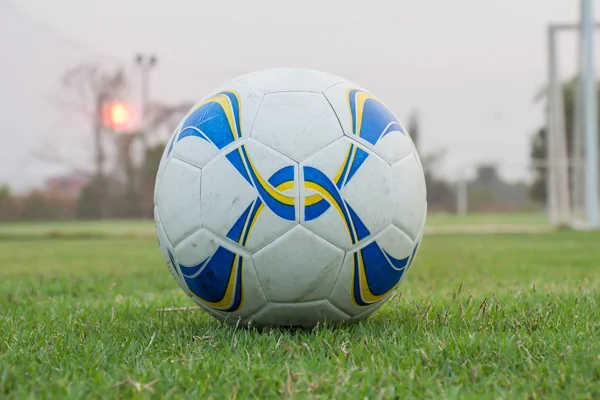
(290, 197)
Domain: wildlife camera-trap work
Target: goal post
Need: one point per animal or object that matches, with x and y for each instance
(572, 196)
(589, 113)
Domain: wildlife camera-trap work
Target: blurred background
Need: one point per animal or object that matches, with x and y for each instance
(92, 90)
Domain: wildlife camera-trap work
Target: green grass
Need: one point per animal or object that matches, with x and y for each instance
(77, 229)
(145, 228)
(481, 316)
(533, 218)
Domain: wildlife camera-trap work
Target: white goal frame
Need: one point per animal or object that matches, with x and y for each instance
(573, 200)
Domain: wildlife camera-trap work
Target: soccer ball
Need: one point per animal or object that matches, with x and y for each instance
(289, 197)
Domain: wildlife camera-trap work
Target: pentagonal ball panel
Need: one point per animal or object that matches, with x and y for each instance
(178, 200)
(296, 124)
(306, 315)
(290, 80)
(366, 119)
(409, 195)
(370, 273)
(298, 267)
(346, 193)
(249, 195)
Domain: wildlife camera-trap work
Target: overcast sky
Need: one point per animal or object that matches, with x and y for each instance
(470, 67)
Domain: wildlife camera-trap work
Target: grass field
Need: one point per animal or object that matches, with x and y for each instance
(533, 218)
(145, 228)
(478, 316)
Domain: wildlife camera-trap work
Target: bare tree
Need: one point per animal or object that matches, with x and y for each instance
(96, 87)
(88, 89)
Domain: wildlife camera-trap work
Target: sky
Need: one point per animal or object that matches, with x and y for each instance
(470, 68)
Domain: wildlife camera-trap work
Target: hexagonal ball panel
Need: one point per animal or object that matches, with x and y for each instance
(226, 115)
(346, 193)
(298, 267)
(366, 119)
(178, 200)
(218, 276)
(370, 274)
(409, 195)
(290, 80)
(165, 248)
(249, 195)
(296, 124)
(418, 242)
(306, 315)
(225, 195)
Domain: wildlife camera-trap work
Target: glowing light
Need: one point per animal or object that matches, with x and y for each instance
(118, 115)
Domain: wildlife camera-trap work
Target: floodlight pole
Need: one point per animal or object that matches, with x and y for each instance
(589, 114)
(145, 63)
